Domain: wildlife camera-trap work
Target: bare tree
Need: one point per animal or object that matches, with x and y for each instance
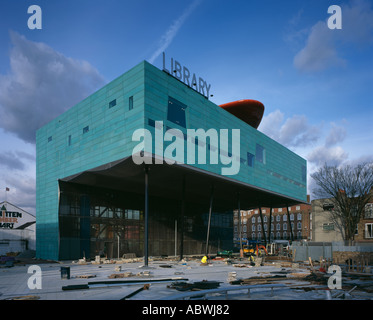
(349, 189)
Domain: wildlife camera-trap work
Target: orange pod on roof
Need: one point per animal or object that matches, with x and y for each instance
(250, 111)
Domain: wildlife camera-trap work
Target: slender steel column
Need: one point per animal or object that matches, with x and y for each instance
(264, 232)
(270, 224)
(239, 222)
(146, 216)
(182, 214)
(209, 222)
(291, 229)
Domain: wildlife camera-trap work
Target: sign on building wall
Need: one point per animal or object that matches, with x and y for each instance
(12, 217)
(183, 74)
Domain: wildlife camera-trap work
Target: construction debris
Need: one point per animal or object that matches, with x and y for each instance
(28, 297)
(345, 295)
(165, 266)
(96, 284)
(258, 280)
(129, 256)
(121, 275)
(145, 287)
(317, 277)
(130, 274)
(144, 274)
(198, 285)
(241, 265)
(232, 276)
(97, 260)
(86, 276)
(258, 262)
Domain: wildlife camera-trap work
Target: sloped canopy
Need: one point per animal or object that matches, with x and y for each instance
(166, 181)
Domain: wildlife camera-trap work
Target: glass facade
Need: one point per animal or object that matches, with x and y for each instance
(95, 221)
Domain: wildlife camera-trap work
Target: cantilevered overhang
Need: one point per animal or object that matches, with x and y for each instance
(166, 181)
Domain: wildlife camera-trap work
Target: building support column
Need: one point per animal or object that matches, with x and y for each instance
(269, 226)
(264, 232)
(182, 214)
(209, 221)
(291, 229)
(239, 223)
(146, 216)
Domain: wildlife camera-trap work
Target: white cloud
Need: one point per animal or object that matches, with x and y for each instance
(359, 160)
(294, 132)
(337, 134)
(319, 52)
(271, 124)
(329, 152)
(172, 30)
(41, 85)
(333, 156)
(324, 47)
(11, 160)
(357, 22)
(22, 188)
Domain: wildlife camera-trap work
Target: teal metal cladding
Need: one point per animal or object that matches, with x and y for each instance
(99, 130)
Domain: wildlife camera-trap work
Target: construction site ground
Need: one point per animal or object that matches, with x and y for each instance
(168, 278)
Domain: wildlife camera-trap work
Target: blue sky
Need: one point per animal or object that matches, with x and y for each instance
(316, 83)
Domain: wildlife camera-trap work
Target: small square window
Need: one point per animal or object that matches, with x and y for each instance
(85, 129)
(50, 139)
(250, 159)
(151, 123)
(112, 103)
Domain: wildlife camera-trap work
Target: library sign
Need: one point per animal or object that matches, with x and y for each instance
(183, 74)
(10, 219)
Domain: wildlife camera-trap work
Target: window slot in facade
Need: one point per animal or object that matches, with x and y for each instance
(176, 112)
(112, 103)
(130, 103)
(151, 123)
(250, 159)
(260, 153)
